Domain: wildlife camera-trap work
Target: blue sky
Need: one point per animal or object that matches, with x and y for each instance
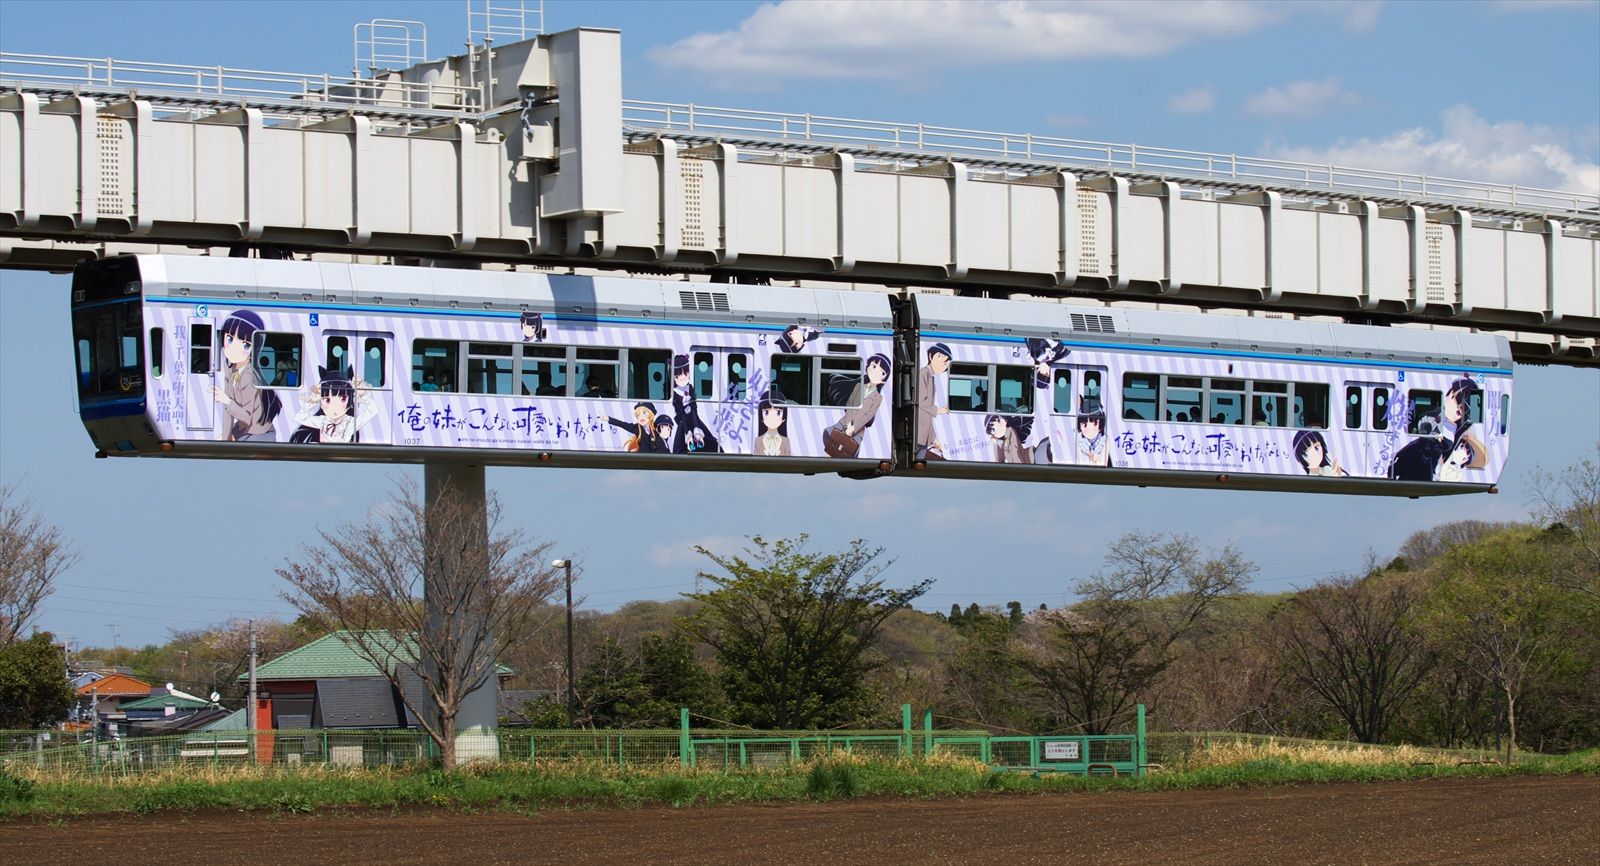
(1488, 91)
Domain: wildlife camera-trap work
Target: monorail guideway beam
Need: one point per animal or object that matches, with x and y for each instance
(538, 159)
(455, 513)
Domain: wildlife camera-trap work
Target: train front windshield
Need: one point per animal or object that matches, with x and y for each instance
(107, 325)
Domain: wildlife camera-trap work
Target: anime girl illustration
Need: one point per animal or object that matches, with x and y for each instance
(794, 338)
(644, 439)
(251, 409)
(664, 428)
(843, 439)
(1445, 445)
(332, 412)
(932, 401)
(692, 434)
(1007, 433)
(1045, 353)
(1092, 448)
(774, 416)
(533, 330)
(1311, 451)
(1452, 467)
(1458, 421)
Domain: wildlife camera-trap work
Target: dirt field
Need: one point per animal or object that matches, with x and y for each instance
(1528, 820)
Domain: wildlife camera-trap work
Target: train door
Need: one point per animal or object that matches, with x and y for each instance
(366, 356)
(1073, 412)
(1367, 414)
(720, 379)
(199, 398)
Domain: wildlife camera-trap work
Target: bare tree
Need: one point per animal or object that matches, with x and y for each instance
(33, 554)
(1354, 642)
(370, 579)
(1095, 659)
(1569, 503)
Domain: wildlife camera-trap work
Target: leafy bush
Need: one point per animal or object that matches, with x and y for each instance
(14, 789)
(829, 780)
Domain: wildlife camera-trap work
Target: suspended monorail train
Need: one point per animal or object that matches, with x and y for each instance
(194, 356)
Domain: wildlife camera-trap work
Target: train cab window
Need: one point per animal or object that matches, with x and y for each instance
(595, 372)
(433, 365)
(1141, 395)
(489, 368)
(199, 348)
(1352, 407)
(1184, 399)
(157, 351)
(1424, 404)
(544, 371)
(969, 388)
(791, 378)
(1227, 401)
(1269, 404)
(1013, 389)
(1310, 406)
(373, 363)
(840, 379)
(1061, 392)
(338, 352)
(1380, 408)
(278, 358)
(647, 373)
(704, 376)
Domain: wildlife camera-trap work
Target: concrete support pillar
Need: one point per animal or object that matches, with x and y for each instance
(476, 720)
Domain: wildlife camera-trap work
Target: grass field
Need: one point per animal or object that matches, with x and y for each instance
(525, 786)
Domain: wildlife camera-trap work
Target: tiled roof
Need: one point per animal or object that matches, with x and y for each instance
(331, 656)
(156, 702)
(115, 685)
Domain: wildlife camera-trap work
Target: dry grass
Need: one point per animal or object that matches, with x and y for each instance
(1228, 753)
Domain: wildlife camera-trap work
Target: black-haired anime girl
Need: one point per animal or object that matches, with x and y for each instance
(1311, 451)
(773, 415)
(644, 439)
(794, 339)
(1445, 445)
(1092, 448)
(1007, 433)
(250, 408)
(692, 434)
(843, 439)
(533, 330)
(332, 412)
(1044, 353)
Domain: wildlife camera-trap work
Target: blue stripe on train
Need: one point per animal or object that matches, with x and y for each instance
(121, 407)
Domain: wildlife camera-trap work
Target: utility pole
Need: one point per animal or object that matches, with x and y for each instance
(116, 639)
(571, 707)
(250, 709)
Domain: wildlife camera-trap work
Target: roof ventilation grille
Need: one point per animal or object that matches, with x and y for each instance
(710, 302)
(1092, 323)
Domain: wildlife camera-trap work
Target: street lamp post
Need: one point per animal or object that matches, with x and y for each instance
(567, 564)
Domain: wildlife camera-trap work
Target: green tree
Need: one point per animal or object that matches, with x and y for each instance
(791, 629)
(611, 690)
(983, 681)
(33, 683)
(676, 678)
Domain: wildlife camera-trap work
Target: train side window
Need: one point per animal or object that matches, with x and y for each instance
(374, 366)
(1475, 406)
(791, 378)
(969, 388)
(1352, 407)
(1380, 408)
(1424, 404)
(648, 370)
(1311, 406)
(489, 368)
(840, 379)
(1269, 404)
(157, 351)
(1141, 395)
(1505, 413)
(1013, 389)
(1185, 396)
(1227, 401)
(1061, 392)
(338, 353)
(705, 376)
(544, 371)
(433, 365)
(199, 348)
(595, 372)
(278, 358)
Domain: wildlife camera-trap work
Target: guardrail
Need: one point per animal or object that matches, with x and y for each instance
(887, 139)
(227, 84)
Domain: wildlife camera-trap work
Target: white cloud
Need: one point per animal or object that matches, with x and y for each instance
(1542, 5)
(908, 40)
(1302, 99)
(683, 555)
(1198, 100)
(1469, 146)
